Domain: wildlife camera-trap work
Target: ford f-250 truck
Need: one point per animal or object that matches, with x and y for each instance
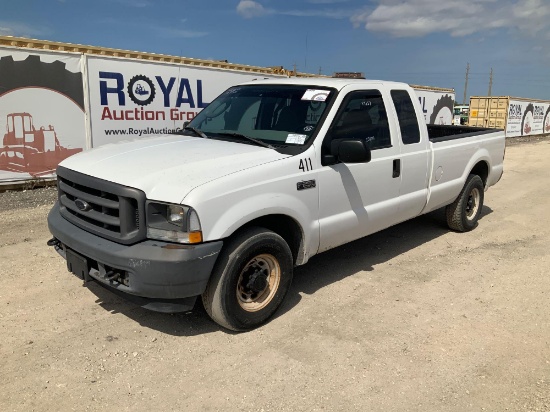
(271, 173)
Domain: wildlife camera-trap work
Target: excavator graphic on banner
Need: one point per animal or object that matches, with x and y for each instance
(28, 150)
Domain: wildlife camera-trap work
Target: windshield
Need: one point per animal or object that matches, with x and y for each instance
(274, 114)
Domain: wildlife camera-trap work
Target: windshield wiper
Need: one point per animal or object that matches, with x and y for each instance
(250, 139)
(196, 131)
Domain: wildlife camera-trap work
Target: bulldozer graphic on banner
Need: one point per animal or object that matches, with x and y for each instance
(30, 150)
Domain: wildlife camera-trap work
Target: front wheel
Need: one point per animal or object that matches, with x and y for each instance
(250, 279)
(464, 212)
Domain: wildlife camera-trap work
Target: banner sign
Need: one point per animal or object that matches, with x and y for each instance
(131, 99)
(42, 114)
(527, 118)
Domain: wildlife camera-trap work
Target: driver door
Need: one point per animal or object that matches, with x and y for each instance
(361, 198)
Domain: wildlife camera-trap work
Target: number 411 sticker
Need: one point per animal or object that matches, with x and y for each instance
(305, 165)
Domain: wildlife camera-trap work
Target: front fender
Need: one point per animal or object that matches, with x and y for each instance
(254, 207)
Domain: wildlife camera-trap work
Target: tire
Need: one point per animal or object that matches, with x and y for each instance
(238, 296)
(463, 213)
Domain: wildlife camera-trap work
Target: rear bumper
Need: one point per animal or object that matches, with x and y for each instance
(151, 269)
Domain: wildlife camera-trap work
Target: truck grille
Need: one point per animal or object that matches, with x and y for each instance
(109, 210)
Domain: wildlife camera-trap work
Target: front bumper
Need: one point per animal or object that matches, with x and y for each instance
(154, 270)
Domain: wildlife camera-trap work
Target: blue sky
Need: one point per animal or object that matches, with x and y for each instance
(427, 42)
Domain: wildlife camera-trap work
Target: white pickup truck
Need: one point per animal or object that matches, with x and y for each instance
(271, 173)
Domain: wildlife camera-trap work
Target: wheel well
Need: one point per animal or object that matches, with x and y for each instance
(287, 228)
(482, 170)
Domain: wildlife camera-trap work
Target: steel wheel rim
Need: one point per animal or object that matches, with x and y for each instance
(251, 296)
(472, 205)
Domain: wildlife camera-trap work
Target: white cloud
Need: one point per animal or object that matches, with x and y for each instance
(14, 28)
(249, 9)
(533, 16)
(331, 14)
(416, 18)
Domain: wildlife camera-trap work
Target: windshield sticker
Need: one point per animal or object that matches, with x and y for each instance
(315, 95)
(296, 138)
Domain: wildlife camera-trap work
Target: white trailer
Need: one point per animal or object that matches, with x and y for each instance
(437, 104)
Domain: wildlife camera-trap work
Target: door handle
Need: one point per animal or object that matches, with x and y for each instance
(396, 168)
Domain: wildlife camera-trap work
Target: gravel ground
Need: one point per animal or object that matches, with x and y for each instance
(511, 141)
(414, 318)
(31, 198)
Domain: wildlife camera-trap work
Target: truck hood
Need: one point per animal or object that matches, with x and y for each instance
(167, 168)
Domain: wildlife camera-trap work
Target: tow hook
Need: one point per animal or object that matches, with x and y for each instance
(111, 275)
(114, 275)
(53, 242)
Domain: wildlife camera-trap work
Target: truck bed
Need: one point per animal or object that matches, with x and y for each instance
(441, 133)
(456, 150)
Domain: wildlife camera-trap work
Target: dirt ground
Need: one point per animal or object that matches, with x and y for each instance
(415, 318)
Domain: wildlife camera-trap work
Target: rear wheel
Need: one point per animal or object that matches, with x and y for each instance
(250, 279)
(464, 212)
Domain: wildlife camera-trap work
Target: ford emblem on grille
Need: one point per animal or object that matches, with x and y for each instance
(82, 205)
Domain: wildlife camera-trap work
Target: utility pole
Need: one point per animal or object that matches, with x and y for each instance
(320, 71)
(466, 83)
(490, 82)
(305, 57)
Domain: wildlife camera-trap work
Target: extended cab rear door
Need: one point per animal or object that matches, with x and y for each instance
(414, 156)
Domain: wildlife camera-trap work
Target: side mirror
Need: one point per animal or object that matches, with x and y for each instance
(185, 124)
(350, 150)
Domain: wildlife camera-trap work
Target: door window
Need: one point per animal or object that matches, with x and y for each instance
(410, 132)
(363, 117)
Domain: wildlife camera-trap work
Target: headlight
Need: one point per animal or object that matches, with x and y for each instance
(173, 223)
